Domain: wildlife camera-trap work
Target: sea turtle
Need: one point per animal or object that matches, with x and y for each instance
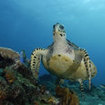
(64, 59)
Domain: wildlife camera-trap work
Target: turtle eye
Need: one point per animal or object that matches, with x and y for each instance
(61, 27)
(53, 26)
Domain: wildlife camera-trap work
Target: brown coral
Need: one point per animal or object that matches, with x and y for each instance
(7, 52)
(7, 57)
(67, 97)
(9, 75)
(17, 84)
(35, 103)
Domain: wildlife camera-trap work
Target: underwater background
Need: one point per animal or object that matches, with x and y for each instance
(27, 24)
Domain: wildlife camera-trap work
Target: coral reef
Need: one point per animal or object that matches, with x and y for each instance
(19, 89)
(14, 86)
(17, 84)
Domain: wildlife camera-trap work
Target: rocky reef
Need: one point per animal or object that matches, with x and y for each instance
(19, 87)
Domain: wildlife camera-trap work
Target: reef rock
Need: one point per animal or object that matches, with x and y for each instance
(17, 84)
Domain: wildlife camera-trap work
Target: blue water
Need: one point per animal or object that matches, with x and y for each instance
(27, 24)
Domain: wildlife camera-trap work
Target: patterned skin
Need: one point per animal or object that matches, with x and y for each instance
(64, 59)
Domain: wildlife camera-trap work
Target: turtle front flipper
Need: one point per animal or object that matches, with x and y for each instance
(35, 61)
(87, 64)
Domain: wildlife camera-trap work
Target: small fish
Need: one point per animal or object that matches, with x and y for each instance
(102, 86)
(22, 56)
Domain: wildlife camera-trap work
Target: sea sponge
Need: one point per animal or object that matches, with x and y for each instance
(67, 96)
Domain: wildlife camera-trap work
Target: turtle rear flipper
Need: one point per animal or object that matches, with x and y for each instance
(81, 87)
(87, 63)
(35, 61)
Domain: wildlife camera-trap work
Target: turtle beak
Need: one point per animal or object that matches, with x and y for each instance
(58, 25)
(58, 28)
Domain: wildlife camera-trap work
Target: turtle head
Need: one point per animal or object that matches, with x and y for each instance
(59, 32)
